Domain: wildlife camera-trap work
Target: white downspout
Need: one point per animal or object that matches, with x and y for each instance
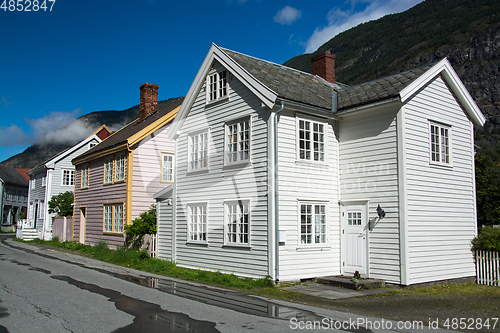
(276, 192)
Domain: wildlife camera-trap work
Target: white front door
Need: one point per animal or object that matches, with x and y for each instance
(354, 239)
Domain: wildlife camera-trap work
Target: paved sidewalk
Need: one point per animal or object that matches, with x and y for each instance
(331, 292)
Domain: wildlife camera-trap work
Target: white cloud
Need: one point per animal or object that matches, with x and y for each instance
(12, 136)
(339, 20)
(56, 127)
(287, 15)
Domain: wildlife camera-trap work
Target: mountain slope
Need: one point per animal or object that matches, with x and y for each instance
(466, 32)
(37, 153)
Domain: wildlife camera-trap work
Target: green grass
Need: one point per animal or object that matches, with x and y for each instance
(466, 288)
(141, 261)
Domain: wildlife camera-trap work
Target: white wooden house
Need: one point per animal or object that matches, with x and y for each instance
(54, 176)
(280, 173)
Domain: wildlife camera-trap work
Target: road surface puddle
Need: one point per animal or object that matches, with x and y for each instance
(148, 315)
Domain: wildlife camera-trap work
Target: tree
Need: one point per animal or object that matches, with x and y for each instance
(62, 204)
(488, 185)
(143, 225)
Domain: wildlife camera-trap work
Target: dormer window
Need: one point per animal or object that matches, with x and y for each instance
(217, 86)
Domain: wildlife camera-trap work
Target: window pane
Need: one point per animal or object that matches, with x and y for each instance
(118, 221)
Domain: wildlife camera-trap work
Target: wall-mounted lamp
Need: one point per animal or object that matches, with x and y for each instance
(380, 212)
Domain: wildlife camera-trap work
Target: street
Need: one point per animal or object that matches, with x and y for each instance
(45, 290)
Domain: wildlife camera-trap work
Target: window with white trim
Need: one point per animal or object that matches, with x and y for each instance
(44, 180)
(33, 183)
(217, 86)
(40, 209)
(167, 168)
(237, 215)
(197, 217)
(312, 223)
(85, 177)
(198, 151)
(120, 167)
(113, 218)
(68, 177)
(440, 143)
(237, 139)
(311, 137)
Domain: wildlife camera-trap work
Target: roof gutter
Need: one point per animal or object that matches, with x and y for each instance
(276, 194)
(107, 151)
(365, 107)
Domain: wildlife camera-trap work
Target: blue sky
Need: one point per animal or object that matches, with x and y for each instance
(86, 56)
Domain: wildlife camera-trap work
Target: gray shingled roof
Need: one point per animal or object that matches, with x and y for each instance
(379, 89)
(11, 176)
(287, 82)
(310, 89)
(132, 128)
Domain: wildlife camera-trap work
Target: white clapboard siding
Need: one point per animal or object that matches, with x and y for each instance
(164, 229)
(441, 208)
(219, 183)
(368, 171)
(301, 181)
(146, 178)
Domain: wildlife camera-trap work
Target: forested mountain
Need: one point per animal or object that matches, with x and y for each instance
(468, 34)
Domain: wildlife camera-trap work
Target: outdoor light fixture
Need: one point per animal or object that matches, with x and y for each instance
(380, 212)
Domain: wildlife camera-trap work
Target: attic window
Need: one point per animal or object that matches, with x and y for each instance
(217, 86)
(440, 144)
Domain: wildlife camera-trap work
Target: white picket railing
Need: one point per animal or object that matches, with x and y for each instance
(488, 268)
(151, 241)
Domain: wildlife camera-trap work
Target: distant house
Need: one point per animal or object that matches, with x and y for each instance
(292, 175)
(116, 180)
(54, 176)
(13, 196)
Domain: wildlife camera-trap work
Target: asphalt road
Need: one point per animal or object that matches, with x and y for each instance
(43, 290)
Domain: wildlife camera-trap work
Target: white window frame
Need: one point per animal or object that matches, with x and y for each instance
(67, 180)
(119, 174)
(237, 141)
(440, 148)
(217, 86)
(197, 222)
(44, 180)
(113, 217)
(237, 233)
(318, 232)
(85, 177)
(33, 183)
(167, 168)
(198, 153)
(310, 140)
(40, 209)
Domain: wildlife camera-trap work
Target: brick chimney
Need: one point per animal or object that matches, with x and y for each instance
(149, 100)
(324, 65)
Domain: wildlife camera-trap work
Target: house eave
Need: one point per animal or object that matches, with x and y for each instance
(456, 85)
(111, 150)
(265, 94)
